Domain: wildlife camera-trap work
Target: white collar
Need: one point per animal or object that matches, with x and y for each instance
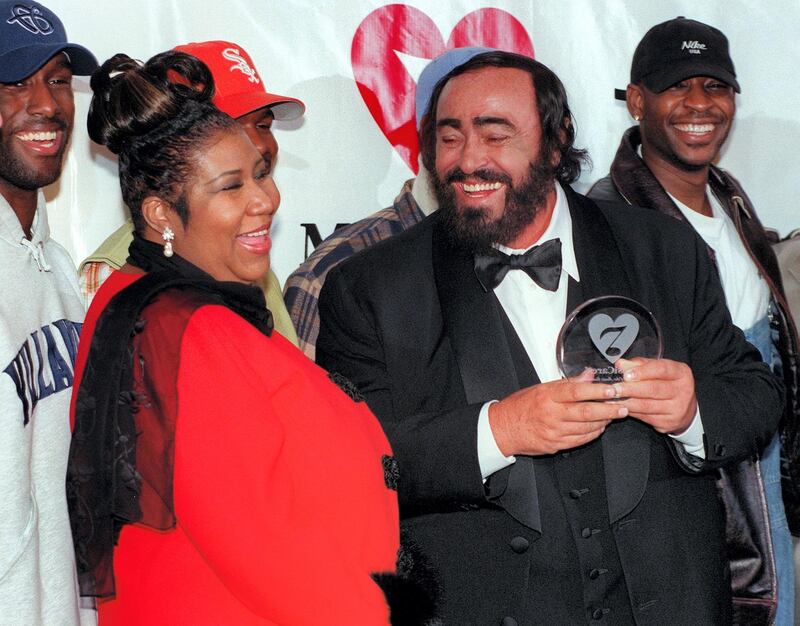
(422, 193)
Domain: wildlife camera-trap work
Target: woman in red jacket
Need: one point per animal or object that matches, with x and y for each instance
(216, 475)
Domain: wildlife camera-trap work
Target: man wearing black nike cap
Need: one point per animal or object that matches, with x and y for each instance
(41, 313)
(678, 49)
(682, 93)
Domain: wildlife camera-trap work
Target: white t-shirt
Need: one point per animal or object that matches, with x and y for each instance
(746, 292)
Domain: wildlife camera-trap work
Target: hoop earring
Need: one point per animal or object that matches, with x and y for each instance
(168, 236)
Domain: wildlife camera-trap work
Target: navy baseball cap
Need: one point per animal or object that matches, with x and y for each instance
(31, 35)
(437, 69)
(679, 49)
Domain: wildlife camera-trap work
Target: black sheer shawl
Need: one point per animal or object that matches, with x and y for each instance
(121, 456)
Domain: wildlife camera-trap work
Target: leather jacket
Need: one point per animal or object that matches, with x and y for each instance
(741, 490)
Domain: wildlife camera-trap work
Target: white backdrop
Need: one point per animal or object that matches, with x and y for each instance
(335, 165)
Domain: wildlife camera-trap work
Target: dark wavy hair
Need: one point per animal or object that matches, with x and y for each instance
(558, 126)
(157, 117)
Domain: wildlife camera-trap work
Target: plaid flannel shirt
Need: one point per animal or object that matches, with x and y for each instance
(301, 291)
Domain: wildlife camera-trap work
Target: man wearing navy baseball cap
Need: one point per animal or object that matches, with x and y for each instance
(40, 319)
(682, 93)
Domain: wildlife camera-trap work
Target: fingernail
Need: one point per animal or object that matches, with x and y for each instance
(623, 412)
(629, 375)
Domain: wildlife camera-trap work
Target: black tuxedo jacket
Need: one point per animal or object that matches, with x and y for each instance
(408, 322)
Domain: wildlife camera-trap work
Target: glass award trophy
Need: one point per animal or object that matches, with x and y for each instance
(603, 330)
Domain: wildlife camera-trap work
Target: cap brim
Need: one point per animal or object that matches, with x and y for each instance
(436, 70)
(22, 62)
(660, 81)
(282, 107)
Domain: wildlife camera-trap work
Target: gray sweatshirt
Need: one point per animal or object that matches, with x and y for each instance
(41, 313)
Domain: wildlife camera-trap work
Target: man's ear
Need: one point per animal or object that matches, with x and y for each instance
(158, 213)
(634, 97)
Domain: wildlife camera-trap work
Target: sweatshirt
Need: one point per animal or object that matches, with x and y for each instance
(41, 313)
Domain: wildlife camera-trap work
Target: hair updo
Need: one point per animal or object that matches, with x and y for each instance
(157, 117)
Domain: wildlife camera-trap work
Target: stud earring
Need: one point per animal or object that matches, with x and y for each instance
(636, 117)
(168, 236)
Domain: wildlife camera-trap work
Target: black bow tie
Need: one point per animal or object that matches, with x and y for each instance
(542, 263)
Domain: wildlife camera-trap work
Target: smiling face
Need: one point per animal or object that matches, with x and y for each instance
(36, 114)
(231, 200)
(490, 174)
(684, 126)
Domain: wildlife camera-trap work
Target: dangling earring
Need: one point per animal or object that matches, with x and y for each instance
(168, 236)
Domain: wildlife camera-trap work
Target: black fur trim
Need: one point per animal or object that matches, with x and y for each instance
(391, 471)
(413, 592)
(345, 385)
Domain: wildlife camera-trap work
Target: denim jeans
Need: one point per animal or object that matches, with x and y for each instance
(761, 336)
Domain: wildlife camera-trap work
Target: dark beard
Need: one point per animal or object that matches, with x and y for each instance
(469, 228)
(22, 175)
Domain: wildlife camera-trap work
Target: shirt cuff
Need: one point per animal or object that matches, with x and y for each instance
(692, 437)
(490, 458)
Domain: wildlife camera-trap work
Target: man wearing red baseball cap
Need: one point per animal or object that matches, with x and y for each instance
(241, 93)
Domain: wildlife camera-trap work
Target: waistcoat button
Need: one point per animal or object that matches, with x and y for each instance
(519, 544)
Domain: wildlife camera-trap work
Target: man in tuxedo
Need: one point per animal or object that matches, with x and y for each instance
(537, 499)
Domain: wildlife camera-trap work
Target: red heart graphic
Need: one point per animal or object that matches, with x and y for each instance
(386, 86)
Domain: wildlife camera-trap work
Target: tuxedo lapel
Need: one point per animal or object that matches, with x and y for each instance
(626, 454)
(472, 322)
(489, 368)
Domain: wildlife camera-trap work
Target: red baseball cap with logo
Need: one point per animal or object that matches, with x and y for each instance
(239, 87)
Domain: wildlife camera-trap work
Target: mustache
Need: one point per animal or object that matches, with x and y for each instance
(457, 175)
(703, 116)
(58, 121)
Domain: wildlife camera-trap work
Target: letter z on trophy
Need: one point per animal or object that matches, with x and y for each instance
(601, 331)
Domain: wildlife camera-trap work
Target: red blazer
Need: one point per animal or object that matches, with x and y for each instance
(279, 493)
